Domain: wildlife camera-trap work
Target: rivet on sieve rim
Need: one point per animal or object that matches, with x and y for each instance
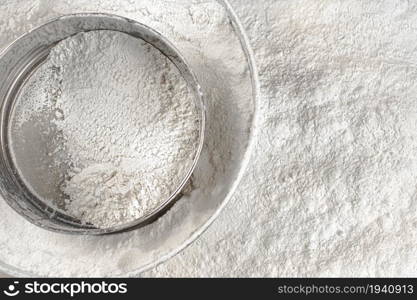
(17, 62)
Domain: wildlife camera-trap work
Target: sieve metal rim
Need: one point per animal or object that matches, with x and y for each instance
(167, 49)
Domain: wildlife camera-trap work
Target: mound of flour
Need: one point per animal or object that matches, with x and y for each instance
(126, 122)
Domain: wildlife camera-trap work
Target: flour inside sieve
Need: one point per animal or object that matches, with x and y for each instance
(105, 129)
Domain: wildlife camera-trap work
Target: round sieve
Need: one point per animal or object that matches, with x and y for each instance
(20, 59)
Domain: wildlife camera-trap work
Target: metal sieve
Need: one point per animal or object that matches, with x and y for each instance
(17, 63)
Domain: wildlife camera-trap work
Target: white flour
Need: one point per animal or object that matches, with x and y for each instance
(127, 124)
(202, 31)
(331, 188)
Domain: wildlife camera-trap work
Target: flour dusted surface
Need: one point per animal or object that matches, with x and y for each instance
(331, 189)
(126, 122)
(293, 215)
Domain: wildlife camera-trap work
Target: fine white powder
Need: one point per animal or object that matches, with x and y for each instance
(126, 125)
(203, 32)
(331, 187)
